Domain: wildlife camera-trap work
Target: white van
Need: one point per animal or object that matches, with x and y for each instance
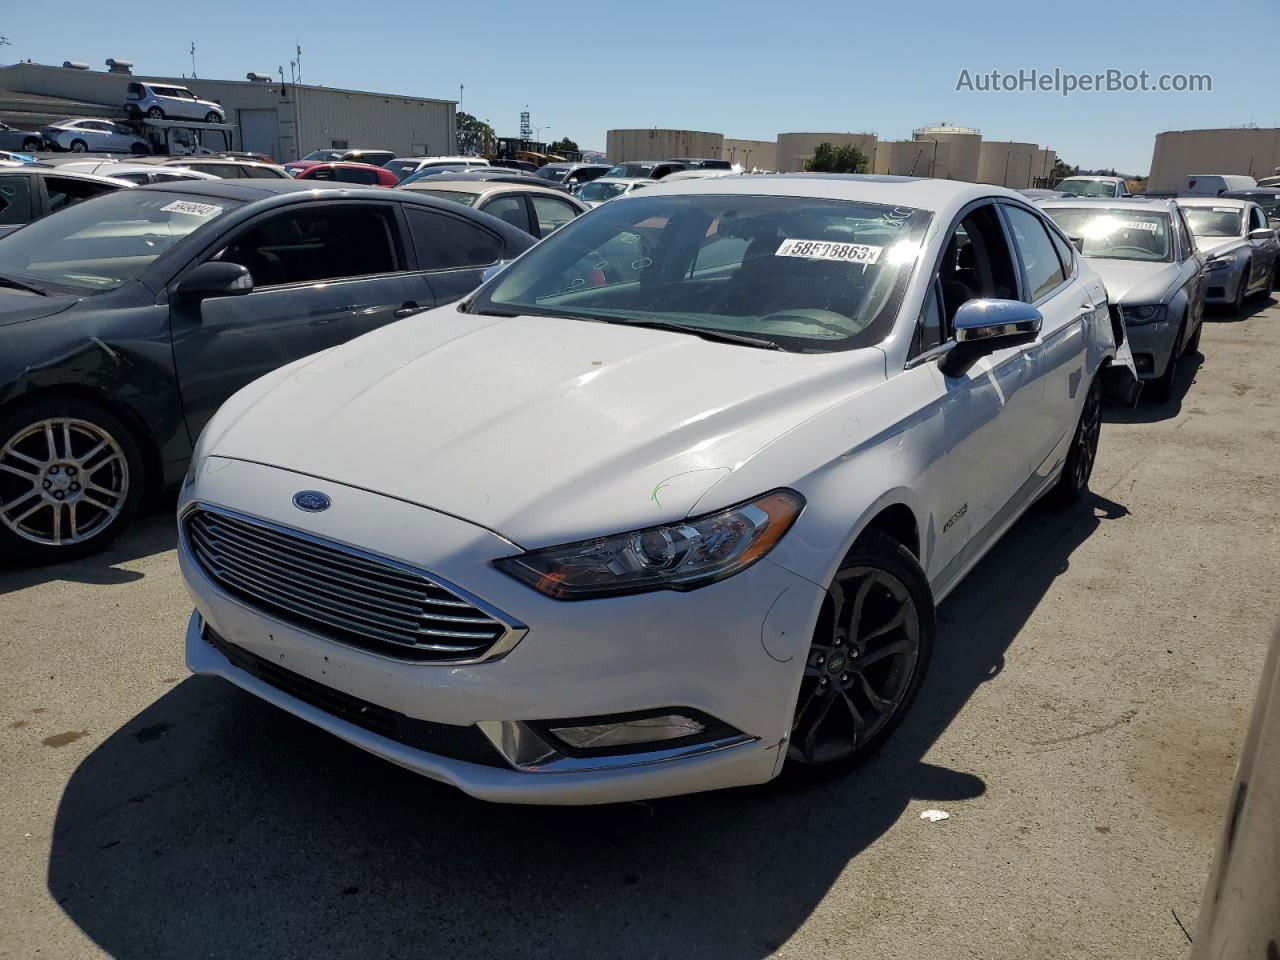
(1214, 184)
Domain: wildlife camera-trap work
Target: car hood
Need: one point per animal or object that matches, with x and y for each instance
(19, 305)
(1213, 246)
(542, 429)
(1132, 281)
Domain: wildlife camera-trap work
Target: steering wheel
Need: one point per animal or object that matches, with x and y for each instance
(815, 317)
(1131, 248)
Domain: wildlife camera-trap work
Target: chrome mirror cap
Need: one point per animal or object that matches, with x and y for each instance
(985, 320)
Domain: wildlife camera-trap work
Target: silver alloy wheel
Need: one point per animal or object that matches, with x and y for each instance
(856, 677)
(73, 481)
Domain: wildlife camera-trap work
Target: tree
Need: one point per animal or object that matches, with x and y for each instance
(564, 145)
(475, 136)
(845, 158)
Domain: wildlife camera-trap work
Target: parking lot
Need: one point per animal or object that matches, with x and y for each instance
(1080, 726)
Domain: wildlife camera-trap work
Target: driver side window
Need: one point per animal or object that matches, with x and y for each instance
(976, 263)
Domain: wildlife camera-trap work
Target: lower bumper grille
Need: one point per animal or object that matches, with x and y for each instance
(441, 739)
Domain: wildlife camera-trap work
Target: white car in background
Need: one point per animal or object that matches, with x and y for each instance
(168, 101)
(404, 167)
(93, 135)
(1242, 255)
(697, 469)
(1213, 184)
(603, 189)
(135, 173)
(1109, 187)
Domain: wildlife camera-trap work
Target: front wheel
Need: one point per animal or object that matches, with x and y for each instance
(1242, 290)
(1193, 345)
(30, 145)
(71, 477)
(869, 654)
(212, 117)
(1074, 482)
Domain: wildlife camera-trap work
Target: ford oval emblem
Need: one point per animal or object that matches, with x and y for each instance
(312, 501)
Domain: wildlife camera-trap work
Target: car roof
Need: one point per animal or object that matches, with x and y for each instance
(345, 165)
(1213, 202)
(1111, 203)
(257, 189)
(648, 180)
(480, 187)
(42, 171)
(919, 192)
(213, 158)
(1090, 176)
(443, 159)
(1245, 193)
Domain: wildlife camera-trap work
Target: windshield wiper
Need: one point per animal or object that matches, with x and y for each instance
(19, 285)
(716, 336)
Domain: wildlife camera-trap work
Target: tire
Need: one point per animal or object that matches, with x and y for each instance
(1162, 387)
(885, 653)
(138, 150)
(1237, 307)
(155, 113)
(1275, 275)
(1074, 482)
(102, 450)
(79, 146)
(212, 117)
(30, 145)
(1193, 345)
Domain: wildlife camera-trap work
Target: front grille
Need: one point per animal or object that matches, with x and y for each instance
(441, 739)
(349, 596)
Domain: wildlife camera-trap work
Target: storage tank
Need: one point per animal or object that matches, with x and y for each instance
(657, 144)
(963, 146)
(1007, 163)
(795, 149)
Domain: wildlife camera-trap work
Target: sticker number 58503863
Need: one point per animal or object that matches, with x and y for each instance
(826, 250)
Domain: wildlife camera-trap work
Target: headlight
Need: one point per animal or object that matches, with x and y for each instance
(1219, 263)
(1149, 313)
(677, 556)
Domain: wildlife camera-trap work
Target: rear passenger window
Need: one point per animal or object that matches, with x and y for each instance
(347, 175)
(64, 192)
(261, 173)
(312, 245)
(445, 243)
(509, 209)
(15, 199)
(552, 214)
(1035, 250)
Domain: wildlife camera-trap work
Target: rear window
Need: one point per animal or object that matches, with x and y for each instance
(457, 196)
(402, 168)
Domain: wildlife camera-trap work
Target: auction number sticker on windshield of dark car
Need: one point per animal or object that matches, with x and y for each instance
(827, 250)
(191, 208)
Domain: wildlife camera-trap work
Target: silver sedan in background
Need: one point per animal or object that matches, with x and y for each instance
(1243, 255)
(1148, 261)
(93, 135)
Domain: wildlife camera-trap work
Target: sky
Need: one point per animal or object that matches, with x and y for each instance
(751, 70)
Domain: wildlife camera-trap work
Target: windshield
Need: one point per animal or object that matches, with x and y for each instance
(402, 167)
(553, 172)
(1213, 221)
(597, 191)
(322, 156)
(631, 170)
(1116, 234)
(1270, 204)
(1089, 188)
(103, 243)
(434, 172)
(809, 275)
(457, 196)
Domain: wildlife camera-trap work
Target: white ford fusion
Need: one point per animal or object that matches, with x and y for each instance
(668, 503)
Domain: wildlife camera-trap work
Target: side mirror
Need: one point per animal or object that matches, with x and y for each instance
(985, 326)
(491, 272)
(1262, 233)
(215, 279)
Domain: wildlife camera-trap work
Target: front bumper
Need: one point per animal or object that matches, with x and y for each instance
(1152, 345)
(732, 651)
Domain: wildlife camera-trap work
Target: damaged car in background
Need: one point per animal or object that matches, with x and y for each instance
(668, 503)
(127, 319)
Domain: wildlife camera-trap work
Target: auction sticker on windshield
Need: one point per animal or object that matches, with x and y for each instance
(826, 250)
(192, 208)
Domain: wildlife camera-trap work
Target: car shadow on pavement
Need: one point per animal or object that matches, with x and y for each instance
(152, 532)
(213, 824)
(1218, 313)
(1153, 411)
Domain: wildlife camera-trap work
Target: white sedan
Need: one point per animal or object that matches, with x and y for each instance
(665, 506)
(602, 189)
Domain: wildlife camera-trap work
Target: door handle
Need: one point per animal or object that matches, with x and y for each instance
(408, 310)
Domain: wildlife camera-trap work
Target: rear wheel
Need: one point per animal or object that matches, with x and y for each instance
(138, 150)
(30, 145)
(212, 117)
(79, 146)
(155, 113)
(71, 477)
(1074, 482)
(869, 654)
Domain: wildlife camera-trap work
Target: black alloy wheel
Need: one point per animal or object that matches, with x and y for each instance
(869, 653)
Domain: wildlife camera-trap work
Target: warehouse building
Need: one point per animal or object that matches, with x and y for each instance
(1251, 151)
(284, 120)
(655, 144)
(750, 154)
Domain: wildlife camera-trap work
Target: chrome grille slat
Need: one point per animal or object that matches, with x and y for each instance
(338, 592)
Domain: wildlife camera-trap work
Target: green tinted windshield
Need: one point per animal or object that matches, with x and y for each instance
(812, 275)
(105, 242)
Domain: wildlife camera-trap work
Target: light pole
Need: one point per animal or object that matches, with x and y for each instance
(537, 132)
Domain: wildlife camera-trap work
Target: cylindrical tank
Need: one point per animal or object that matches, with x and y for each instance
(1007, 163)
(964, 144)
(795, 149)
(655, 144)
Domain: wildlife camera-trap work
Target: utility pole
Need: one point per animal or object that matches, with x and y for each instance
(298, 47)
(461, 87)
(193, 60)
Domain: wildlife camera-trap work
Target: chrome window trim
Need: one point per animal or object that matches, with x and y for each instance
(513, 633)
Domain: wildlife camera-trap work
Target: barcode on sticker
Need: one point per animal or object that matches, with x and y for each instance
(826, 250)
(1139, 225)
(191, 208)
